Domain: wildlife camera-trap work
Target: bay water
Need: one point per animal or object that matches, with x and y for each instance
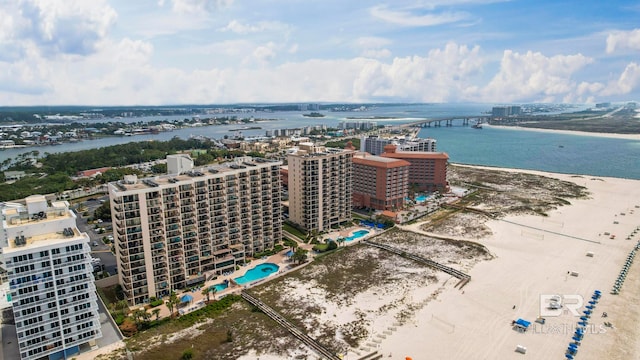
(500, 147)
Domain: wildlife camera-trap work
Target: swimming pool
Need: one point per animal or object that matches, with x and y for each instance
(220, 287)
(421, 198)
(356, 235)
(258, 272)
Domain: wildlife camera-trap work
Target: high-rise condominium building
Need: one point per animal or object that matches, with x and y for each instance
(428, 170)
(379, 183)
(320, 186)
(170, 230)
(374, 144)
(49, 270)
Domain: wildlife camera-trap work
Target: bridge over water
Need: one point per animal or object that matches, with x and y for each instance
(449, 121)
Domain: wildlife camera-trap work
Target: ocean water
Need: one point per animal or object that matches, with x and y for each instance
(536, 150)
(522, 149)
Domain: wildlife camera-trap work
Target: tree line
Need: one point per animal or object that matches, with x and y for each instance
(54, 174)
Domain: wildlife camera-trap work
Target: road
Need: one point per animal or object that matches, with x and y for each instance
(100, 250)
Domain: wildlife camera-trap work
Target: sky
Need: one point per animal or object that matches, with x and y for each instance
(172, 52)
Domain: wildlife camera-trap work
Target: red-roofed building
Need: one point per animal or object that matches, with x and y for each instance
(428, 170)
(92, 172)
(379, 183)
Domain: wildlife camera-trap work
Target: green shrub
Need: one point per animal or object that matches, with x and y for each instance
(213, 308)
(153, 302)
(187, 354)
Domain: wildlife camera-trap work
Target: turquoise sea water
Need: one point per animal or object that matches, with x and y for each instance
(536, 150)
(258, 272)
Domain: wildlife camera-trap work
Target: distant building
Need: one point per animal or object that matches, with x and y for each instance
(358, 125)
(50, 278)
(92, 172)
(14, 175)
(320, 186)
(380, 183)
(428, 170)
(603, 105)
(374, 145)
(505, 111)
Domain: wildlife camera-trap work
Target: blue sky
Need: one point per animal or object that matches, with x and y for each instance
(154, 52)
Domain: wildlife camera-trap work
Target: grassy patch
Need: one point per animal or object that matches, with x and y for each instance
(293, 231)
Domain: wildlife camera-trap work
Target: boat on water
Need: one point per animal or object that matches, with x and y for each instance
(477, 125)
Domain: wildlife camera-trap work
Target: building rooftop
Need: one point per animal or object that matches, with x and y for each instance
(378, 161)
(417, 155)
(46, 239)
(16, 215)
(239, 165)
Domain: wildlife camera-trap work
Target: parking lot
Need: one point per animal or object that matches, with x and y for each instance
(99, 249)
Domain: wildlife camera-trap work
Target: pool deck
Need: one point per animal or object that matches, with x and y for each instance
(348, 232)
(280, 259)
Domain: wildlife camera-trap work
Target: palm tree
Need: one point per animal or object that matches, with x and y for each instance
(156, 312)
(300, 255)
(213, 292)
(340, 241)
(172, 302)
(205, 292)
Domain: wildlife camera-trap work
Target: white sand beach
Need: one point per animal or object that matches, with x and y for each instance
(569, 132)
(533, 257)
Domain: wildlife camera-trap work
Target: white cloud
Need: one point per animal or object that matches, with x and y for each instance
(376, 53)
(261, 26)
(265, 53)
(293, 49)
(406, 18)
(534, 76)
(123, 72)
(69, 27)
(623, 40)
(628, 81)
(373, 47)
(431, 4)
(443, 75)
(372, 42)
(198, 6)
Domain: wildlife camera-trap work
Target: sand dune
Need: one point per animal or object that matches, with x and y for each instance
(533, 257)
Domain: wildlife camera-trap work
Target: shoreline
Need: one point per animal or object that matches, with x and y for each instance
(569, 132)
(539, 172)
(533, 257)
